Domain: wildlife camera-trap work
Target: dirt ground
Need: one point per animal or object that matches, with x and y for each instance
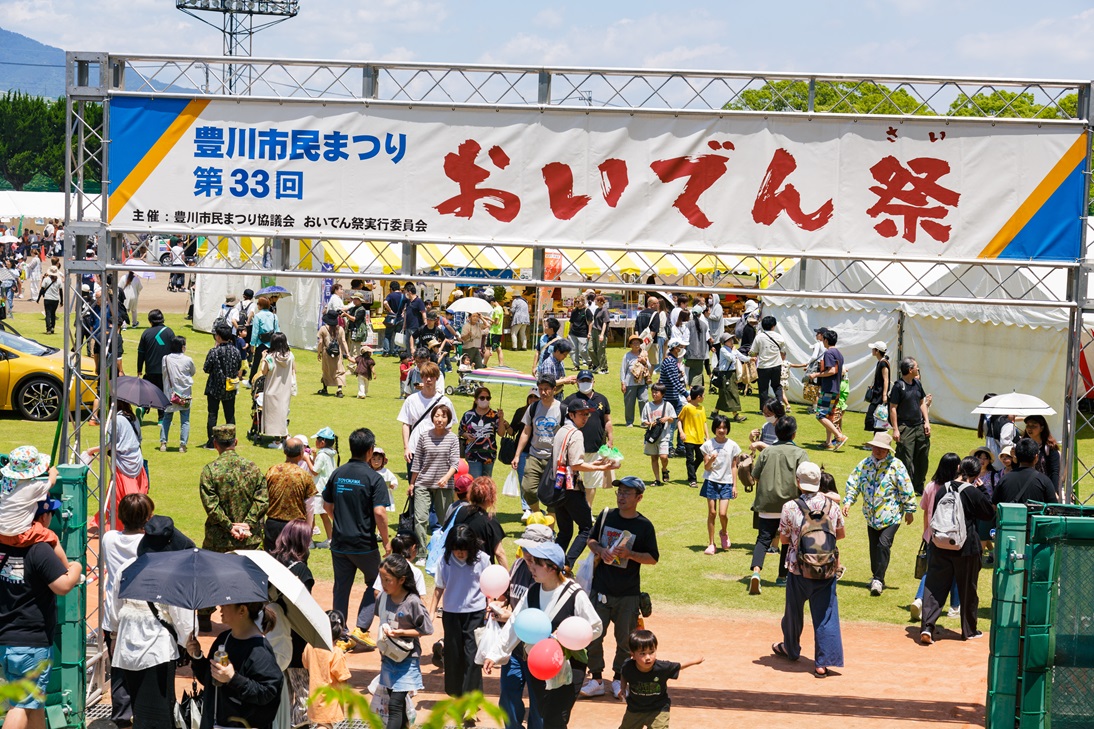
(888, 678)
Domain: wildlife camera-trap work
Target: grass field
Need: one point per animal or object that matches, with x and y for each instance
(685, 576)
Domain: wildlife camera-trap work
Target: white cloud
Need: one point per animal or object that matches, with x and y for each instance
(550, 18)
(1055, 39)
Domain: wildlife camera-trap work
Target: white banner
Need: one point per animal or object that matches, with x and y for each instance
(920, 188)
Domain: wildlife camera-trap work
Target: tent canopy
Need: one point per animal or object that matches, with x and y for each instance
(15, 204)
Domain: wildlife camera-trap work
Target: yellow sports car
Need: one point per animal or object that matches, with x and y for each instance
(31, 374)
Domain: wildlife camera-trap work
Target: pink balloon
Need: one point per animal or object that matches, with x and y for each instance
(463, 468)
(574, 633)
(545, 659)
(494, 581)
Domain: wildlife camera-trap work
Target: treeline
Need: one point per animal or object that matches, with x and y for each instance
(32, 139)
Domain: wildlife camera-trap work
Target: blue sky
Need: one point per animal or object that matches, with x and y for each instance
(907, 37)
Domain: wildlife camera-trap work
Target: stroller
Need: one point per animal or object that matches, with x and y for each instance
(255, 433)
(465, 385)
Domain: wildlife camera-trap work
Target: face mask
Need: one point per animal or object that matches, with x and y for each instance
(771, 419)
(483, 402)
(585, 387)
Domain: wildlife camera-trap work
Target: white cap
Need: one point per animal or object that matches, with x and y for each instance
(879, 346)
(809, 475)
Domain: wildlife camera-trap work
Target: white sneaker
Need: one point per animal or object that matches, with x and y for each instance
(592, 687)
(916, 609)
(953, 612)
(525, 516)
(617, 689)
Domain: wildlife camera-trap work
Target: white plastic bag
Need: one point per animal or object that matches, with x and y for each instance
(584, 574)
(488, 638)
(381, 699)
(512, 484)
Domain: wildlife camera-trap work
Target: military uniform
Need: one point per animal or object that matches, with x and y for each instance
(233, 491)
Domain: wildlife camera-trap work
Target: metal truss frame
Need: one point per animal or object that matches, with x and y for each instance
(98, 77)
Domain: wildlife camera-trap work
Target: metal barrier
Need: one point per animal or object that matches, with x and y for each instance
(1041, 664)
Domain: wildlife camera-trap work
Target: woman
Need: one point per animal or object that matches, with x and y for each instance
(672, 377)
(10, 285)
(473, 334)
(650, 322)
(50, 296)
(263, 327)
(879, 390)
(278, 366)
(129, 474)
(431, 471)
(34, 272)
(480, 517)
(131, 287)
(729, 395)
(521, 319)
(178, 386)
(961, 565)
(810, 389)
(561, 598)
(1048, 461)
(292, 550)
(635, 375)
(246, 691)
(681, 330)
(330, 351)
(946, 472)
(479, 430)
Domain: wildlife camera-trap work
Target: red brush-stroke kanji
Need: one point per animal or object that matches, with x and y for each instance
(771, 201)
(701, 173)
(460, 167)
(907, 192)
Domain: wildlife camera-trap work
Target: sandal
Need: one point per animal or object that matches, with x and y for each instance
(779, 649)
(820, 672)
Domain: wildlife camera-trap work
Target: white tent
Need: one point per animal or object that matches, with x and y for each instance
(964, 350)
(32, 205)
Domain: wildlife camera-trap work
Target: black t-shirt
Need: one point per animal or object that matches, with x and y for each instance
(832, 358)
(425, 335)
(579, 322)
(648, 319)
(748, 335)
(251, 702)
(622, 580)
(648, 692)
(483, 526)
(395, 301)
(155, 344)
(907, 399)
(415, 314)
(595, 429)
(1025, 484)
(355, 490)
(28, 608)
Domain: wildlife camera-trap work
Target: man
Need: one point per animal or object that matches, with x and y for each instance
(414, 414)
(697, 351)
(569, 449)
(1025, 483)
(596, 432)
(653, 320)
(233, 493)
(580, 319)
(617, 582)
(768, 350)
(599, 335)
(413, 315)
(356, 499)
(519, 324)
(828, 379)
(497, 328)
(393, 318)
(541, 421)
(886, 497)
(547, 340)
(909, 416)
(178, 259)
(290, 486)
(553, 365)
(775, 475)
(154, 345)
(430, 336)
(222, 364)
(819, 593)
(675, 389)
(31, 578)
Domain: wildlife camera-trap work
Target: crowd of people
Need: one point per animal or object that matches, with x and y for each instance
(559, 448)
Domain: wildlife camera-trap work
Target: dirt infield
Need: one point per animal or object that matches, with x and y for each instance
(890, 680)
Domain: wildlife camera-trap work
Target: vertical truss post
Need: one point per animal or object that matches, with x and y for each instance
(545, 87)
(370, 81)
(1077, 294)
(812, 94)
(410, 259)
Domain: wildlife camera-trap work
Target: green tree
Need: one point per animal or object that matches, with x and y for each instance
(32, 141)
(1000, 103)
(837, 97)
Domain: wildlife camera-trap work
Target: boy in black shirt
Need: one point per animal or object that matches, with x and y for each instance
(645, 683)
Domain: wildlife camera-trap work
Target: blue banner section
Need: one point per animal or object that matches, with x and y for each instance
(1055, 231)
(136, 124)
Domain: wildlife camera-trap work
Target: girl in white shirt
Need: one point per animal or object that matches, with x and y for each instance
(720, 456)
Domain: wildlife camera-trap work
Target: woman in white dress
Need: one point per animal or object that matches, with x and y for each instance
(279, 368)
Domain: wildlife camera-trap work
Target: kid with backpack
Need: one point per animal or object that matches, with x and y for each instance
(810, 526)
(364, 366)
(954, 553)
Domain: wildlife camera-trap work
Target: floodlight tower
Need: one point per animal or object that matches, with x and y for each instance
(238, 22)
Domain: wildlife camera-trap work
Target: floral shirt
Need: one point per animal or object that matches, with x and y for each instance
(792, 521)
(886, 490)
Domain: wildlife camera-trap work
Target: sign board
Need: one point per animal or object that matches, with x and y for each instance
(918, 188)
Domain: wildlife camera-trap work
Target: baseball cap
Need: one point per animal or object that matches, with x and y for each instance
(820, 330)
(546, 550)
(328, 434)
(809, 475)
(631, 482)
(585, 376)
(535, 534)
(533, 392)
(463, 484)
(48, 506)
(580, 406)
(879, 346)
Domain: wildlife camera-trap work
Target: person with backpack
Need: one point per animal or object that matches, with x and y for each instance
(954, 552)
(393, 318)
(887, 496)
(810, 526)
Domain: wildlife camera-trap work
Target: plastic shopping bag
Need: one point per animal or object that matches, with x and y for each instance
(488, 638)
(512, 484)
(584, 574)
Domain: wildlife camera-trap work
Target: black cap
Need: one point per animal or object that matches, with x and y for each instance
(585, 376)
(248, 293)
(160, 535)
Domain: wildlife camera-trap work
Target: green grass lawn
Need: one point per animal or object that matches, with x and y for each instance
(684, 576)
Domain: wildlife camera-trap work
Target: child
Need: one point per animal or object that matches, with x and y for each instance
(693, 426)
(465, 365)
(645, 683)
(327, 668)
(457, 582)
(784, 380)
(405, 544)
(324, 461)
(414, 376)
(720, 456)
(403, 618)
(462, 486)
(406, 363)
(379, 464)
(658, 410)
(364, 367)
(841, 402)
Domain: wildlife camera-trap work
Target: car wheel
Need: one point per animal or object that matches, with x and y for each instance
(450, 390)
(165, 259)
(39, 399)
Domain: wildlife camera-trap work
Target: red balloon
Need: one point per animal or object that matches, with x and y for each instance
(463, 468)
(545, 659)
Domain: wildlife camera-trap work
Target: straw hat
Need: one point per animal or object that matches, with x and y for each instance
(881, 440)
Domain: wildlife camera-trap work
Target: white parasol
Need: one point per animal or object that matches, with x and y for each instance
(472, 305)
(1014, 403)
(302, 611)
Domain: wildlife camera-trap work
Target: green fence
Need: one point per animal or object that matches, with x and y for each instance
(1041, 666)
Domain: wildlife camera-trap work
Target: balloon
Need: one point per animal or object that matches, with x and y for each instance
(574, 633)
(463, 468)
(532, 626)
(494, 581)
(545, 659)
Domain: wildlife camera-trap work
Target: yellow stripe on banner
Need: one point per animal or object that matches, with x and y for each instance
(150, 161)
(1067, 164)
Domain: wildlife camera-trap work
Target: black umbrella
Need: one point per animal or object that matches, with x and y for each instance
(140, 392)
(194, 579)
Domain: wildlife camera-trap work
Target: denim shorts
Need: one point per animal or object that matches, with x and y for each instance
(826, 403)
(717, 491)
(19, 663)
